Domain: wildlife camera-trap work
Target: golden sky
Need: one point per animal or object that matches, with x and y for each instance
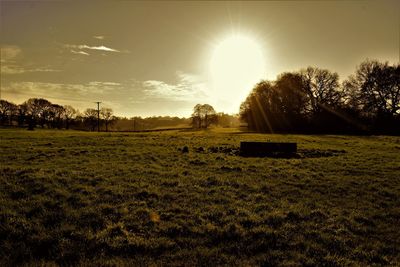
(153, 58)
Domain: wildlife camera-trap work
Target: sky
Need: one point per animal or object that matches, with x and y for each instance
(162, 58)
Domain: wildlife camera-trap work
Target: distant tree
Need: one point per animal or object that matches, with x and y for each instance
(90, 118)
(209, 115)
(227, 120)
(7, 111)
(69, 114)
(137, 123)
(203, 116)
(196, 116)
(107, 115)
(22, 114)
(56, 114)
(38, 110)
(79, 122)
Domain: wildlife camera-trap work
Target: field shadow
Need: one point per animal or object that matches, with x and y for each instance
(300, 154)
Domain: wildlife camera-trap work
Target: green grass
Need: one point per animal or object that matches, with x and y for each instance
(70, 198)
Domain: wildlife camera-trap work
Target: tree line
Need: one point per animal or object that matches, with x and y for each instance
(39, 112)
(313, 100)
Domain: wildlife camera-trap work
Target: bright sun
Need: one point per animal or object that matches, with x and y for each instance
(237, 64)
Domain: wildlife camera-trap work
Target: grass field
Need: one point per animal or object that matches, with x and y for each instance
(70, 198)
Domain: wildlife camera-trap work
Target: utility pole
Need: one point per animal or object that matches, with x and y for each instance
(98, 116)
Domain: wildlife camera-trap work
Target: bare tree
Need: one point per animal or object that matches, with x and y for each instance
(56, 114)
(107, 115)
(322, 88)
(69, 114)
(22, 114)
(375, 89)
(7, 111)
(38, 110)
(90, 118)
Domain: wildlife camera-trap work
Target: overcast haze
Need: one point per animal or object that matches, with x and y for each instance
(153, 58)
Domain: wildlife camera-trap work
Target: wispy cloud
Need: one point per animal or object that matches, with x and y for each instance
(9, 52)
(101, 47)
(188, 88)
(87, 47)
(64, 92)
(14, 69)
(6, 69)
(80, 52)
(104, 83)
(11, 62)
(100, 37)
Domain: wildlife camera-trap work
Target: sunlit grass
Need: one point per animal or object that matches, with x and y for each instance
(134, 198)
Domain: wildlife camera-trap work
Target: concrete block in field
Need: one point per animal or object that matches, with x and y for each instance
(263, 149)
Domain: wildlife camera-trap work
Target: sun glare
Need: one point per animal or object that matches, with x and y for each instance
(237, 64)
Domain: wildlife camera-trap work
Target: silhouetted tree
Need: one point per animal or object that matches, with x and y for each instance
(107, 115)
(56, 114)
(260, 107)
(7, 111)
(22, 114)
(312, 100)
(196, 116)
(292, 100)
(38, 110)
(79, 121)
(69, 114)
(203, 116)
(374, 91)
(278, 106)
(322, 88)
(90, 117)
(375, 88)
(325, 100)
